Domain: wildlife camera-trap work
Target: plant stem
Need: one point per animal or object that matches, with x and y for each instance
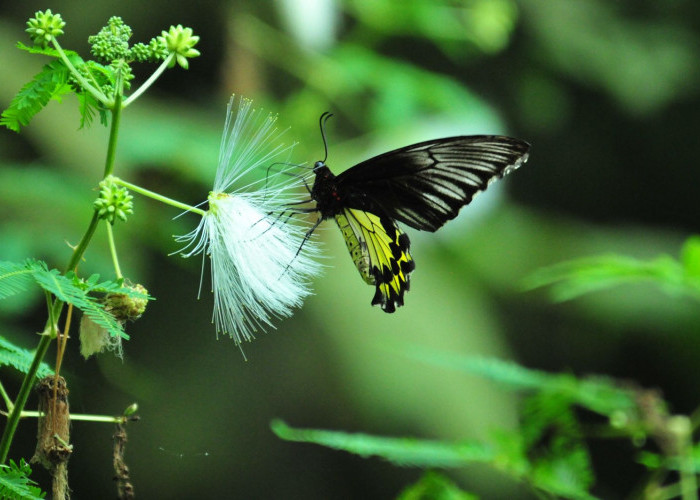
(80, 249)
(25, 389)
(79, 416)
(113, 133)
(158, 197)
(113, 251)
(97, 94)
(55, 311)
(6, 398)
(135, 95)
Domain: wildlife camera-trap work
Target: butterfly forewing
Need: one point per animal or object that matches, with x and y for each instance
(425, 185)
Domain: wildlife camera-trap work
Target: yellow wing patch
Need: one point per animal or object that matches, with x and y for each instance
(380, 251)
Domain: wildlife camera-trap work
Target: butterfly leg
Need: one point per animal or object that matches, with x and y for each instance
(307, 236)
(291, 212)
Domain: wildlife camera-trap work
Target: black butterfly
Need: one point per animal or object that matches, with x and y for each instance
(423, 185)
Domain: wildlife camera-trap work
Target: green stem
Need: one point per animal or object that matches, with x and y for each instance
(113, 134)
(25, 389)
(79, 416)
(80, 250)
(49, 332)
(113, 251)
(6, 398)
(144, 87)
(97, 94)
(158, 197)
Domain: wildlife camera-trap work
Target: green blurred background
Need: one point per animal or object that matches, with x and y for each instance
(606, 92)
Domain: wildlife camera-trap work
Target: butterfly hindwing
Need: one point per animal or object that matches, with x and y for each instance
(380, 251)
(425, 185)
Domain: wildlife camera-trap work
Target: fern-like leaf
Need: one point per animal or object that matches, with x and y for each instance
(48, 84)
(15, 483)
(569, 280)
(405, 452)
(15, 277)
(65, 289)
(53, 82)
(115, 287)
(47, 51)
(559, 460)
(20, 358)
(435, 486)
(103, 77)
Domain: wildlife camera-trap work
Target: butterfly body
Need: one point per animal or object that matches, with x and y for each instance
(422, 185)
(384, 262)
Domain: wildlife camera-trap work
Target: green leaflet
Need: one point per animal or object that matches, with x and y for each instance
(15, 277)
(20, 358)
(15, 482)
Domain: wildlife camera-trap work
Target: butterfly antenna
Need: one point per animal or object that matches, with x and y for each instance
(322, 123)
(283, 172)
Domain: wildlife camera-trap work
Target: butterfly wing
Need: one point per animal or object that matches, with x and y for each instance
(380, 251)
(425, 185)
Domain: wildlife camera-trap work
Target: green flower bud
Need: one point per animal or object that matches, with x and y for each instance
(44, 26)
(114, 202)
(131, 409)
(180, 41)
(121, 66)
(112, 41)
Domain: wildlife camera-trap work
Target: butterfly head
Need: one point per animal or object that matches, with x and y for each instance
(319, 165)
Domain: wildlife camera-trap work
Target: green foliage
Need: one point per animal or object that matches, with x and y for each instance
(549, 454)
(94, 84)
(15, 483)
(52, 82)
(15, 278)
(569, 280)
(69, 289)
(487, 24)
(559, 461)
(567, 36)
(404, 452)
(434, 486)
(20, 359)
(597, 394)
(549, 450)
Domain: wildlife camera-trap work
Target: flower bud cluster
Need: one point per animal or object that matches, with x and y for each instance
(114, 202)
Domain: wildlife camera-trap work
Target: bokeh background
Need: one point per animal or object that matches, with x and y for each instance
(606, 92)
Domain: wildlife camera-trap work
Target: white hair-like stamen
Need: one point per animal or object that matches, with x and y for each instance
(256, 273)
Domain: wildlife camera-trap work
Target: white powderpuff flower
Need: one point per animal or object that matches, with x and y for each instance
(257, 269)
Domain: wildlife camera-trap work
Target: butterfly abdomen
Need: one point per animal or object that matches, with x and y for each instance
(356, 247)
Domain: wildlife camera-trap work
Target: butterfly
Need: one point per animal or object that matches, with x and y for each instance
(422, 185)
